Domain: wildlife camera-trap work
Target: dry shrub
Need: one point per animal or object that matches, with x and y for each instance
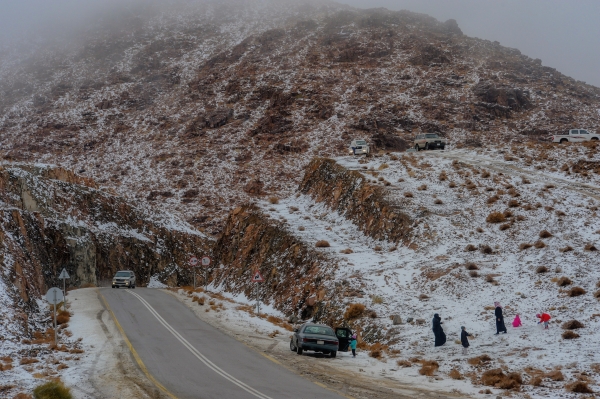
(473, 273)
(541, 269)
(452, 184)
(422, 187)
(492, 199)
(490, 279)
(423, 297)
(486, 249)
(274, 200)
(28, 360)
(403, 363)
(568, 248)
(536, 381)
(476, 361)
(376, 350)
(201, 301)
(564, 281)
(505, 226)
(471, 248)
(443, 176)
(301, 228)
(496, 378)
(438, 201)
(495, 217)
(377, 299)
(322, 244)
(555, 375)
(572, 325)
(485, 174)
(560, 213)
(471, 266)
(63, 317)
(580, 387)
(513, 203)
(52, 390)
(507, 213)
(569, 335)
(524, 246)
(597, 294)
(408, 195)
(354, 311)
(479, 230)
(545, 234)
(428, 367)
(539, 244)
(5, 367)
(22, 395)
(576, 291)
(590, 247)
(347, 251)
(455, 374)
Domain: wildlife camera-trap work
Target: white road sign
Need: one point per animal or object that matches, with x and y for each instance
(64, 274)
(54, 296)
(193, 261)
(257, 277)
(206, 261)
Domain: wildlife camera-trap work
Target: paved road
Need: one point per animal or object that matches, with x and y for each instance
(193, 359)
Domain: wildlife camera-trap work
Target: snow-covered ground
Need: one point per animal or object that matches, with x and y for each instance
(430, 275)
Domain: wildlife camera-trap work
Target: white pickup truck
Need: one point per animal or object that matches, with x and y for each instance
(574, 136)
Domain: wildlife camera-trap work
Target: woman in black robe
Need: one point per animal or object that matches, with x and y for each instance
(500, 327)
(438, 331)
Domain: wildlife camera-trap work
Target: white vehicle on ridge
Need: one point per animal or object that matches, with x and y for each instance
(574, 136)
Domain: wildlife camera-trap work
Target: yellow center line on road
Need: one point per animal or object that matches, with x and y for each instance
(134, 353)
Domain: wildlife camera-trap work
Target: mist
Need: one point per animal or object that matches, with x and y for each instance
(564, 34)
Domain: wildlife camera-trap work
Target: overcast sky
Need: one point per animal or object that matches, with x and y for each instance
(564, 34)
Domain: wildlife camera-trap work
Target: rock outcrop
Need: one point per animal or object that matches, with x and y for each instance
(349, 193)
(51, 218)
(295, 275)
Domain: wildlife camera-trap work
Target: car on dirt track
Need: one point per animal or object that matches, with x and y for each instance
(574, 136)
(124, 278)
(429, 141)
(314, 337)
(359, 147)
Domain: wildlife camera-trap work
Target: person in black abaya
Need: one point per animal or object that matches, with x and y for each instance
(438, 331)
(500, 327)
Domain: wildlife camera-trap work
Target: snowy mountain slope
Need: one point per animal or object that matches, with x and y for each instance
(200, 108)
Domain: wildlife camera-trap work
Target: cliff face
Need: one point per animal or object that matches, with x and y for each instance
(50, 218)
(349, 193)
(295, 275)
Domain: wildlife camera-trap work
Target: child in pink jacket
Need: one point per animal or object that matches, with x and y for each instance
(517, 321)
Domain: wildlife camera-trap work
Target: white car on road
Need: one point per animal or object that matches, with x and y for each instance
(359, 147)
(574, 136)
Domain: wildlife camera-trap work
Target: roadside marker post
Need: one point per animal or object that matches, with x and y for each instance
(54, 296)
(193, 263)
(64, 276)
(257, 278)
(206, 261)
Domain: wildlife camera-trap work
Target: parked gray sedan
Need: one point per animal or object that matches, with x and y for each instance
(314, 337)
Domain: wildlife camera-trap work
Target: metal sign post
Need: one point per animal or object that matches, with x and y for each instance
(206, 263)
(54, 296)
(193, 263)
(257, 278)
(64, 276)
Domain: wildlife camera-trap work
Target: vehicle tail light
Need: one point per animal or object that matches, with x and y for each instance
(307, 340)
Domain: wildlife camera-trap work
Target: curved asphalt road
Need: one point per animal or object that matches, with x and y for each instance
(193, 359)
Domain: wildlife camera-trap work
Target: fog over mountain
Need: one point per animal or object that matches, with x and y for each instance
(563, 34)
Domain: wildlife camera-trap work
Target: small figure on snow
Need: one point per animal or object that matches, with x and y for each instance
(438, 331)
(464, 340)
(544, 318)
(500, 327)
(353, 345)
(517, 322)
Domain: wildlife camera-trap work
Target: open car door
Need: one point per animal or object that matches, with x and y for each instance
(343, 334)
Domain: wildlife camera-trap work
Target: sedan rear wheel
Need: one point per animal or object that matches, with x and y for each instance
(333, 353)
(299, 350)
(417, 147)
(292, 347)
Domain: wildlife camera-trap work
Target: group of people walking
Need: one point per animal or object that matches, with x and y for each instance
(440, 336)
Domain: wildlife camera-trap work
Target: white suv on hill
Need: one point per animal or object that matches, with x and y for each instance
(124, 278)
(574, 136)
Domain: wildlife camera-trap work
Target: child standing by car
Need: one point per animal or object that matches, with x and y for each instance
(464, 340)
(353, 345)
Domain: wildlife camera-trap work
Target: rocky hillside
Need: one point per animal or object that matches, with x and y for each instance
(51, 218)
(200, 108)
